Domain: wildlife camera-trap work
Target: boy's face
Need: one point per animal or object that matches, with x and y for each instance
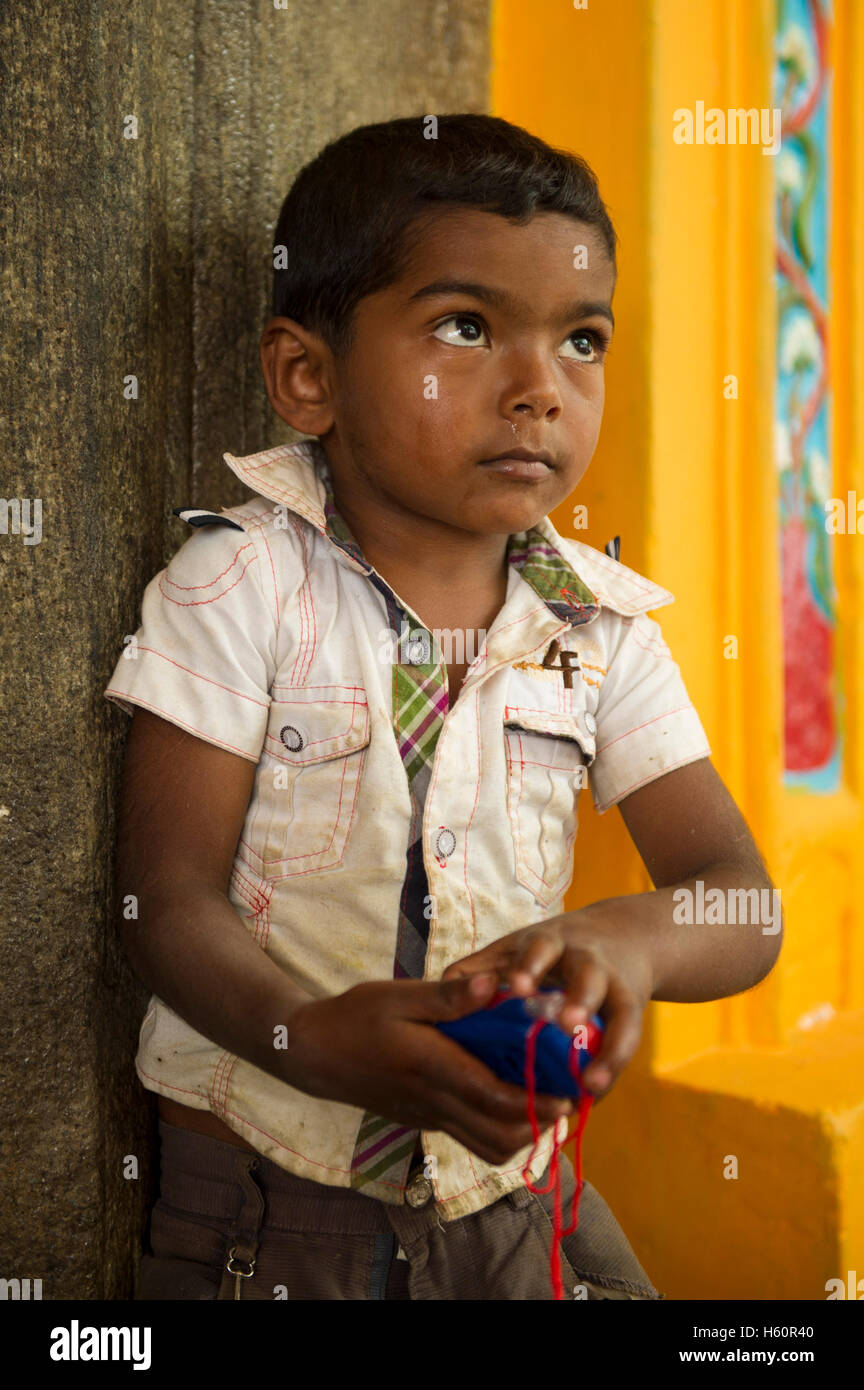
(440, 380)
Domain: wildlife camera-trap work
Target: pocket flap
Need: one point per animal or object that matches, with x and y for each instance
(577, 726)
(317, 723)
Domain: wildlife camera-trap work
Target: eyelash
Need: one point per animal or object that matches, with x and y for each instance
(600, 338)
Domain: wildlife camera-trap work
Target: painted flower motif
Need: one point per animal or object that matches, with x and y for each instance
(790, 174)
(796, 52)
(782, 445)
(819, 473)
(800, 347)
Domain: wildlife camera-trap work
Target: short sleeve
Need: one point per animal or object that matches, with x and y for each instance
(204, 654)
(646, 722)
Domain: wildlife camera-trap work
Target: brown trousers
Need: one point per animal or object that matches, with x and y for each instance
(230, 1224)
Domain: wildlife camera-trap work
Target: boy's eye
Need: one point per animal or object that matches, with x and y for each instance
(597, 343)
(470, 328)
(457, 321)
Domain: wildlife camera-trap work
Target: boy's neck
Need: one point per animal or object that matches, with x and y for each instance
(422, 556)
(460, 571)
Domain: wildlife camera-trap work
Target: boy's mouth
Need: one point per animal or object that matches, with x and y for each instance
(521, 463)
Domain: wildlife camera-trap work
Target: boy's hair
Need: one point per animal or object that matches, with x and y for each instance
(343, 224)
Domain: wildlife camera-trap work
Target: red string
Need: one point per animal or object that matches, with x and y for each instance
(585, 1102)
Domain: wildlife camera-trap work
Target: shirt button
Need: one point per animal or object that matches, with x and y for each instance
(291, 737)
(419, 651)
(418, 1191)
(590, 722)
(445, 842)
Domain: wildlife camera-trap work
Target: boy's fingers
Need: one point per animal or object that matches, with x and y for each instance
(481, 962)
(536, 958)
(449, 1069)
(441, 1000)
(587, 989)
(491, 1139)
(621, 1037)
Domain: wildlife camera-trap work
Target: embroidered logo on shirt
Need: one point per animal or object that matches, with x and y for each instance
(566, 666)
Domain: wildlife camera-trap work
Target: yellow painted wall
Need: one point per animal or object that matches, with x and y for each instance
(688, 480)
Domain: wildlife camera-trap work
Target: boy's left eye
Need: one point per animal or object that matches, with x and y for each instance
(455, 324)
(597, 343)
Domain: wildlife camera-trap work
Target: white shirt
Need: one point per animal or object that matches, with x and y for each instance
(269, 638)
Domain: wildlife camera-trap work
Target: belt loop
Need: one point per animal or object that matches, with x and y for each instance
(242, 1241)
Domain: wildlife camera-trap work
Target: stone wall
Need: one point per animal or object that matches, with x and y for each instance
(145, 258)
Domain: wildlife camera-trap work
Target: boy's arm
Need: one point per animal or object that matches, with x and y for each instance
(182, 810)
(687, 828)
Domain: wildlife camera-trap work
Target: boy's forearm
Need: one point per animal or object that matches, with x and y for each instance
(191, 949)
(697, 960)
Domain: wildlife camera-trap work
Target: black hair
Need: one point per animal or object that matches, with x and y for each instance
(343, 223)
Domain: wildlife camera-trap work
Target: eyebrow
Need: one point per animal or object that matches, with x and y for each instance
(500, 299)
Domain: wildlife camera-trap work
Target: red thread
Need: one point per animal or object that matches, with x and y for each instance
(585, 1102)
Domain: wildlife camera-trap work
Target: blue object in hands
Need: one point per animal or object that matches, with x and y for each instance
(497, 1034)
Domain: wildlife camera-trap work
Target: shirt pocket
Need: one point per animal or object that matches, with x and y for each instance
(547, 754)
(308, 781)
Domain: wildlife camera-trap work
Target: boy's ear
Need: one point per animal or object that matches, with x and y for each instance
(297, 366)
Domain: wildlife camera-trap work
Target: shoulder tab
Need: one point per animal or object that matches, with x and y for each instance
(199, 518)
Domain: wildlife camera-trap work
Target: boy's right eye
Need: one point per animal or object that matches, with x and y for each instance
(456, 330)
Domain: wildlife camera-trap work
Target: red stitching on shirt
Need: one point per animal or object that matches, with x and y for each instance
(689, 758)
(307, 611)
(240, 877)
(513, 809)
(188, 588)
(188, 669)
(605, 562)
(265, 939)
(644, 725)
(172, 718)
(313, 647)
(226, 1082)
(252, 896)
(241, 889)
(568, 714)
(273, 577)
(655, 650)
(251, 517)
(304, 688)
(313, 743)
(471, 818)
(318, 855)
(181, 1090)
(213, 1088)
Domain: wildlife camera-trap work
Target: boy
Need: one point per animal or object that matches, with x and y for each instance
(338, 828)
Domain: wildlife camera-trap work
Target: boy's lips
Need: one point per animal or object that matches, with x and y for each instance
(521, 463)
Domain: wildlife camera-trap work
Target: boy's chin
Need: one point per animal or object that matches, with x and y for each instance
(505, 518)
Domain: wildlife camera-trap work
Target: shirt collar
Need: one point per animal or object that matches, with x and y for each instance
(297, 476)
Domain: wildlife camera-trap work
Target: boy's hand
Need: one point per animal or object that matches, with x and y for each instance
(601, 967)
(373, 1047)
